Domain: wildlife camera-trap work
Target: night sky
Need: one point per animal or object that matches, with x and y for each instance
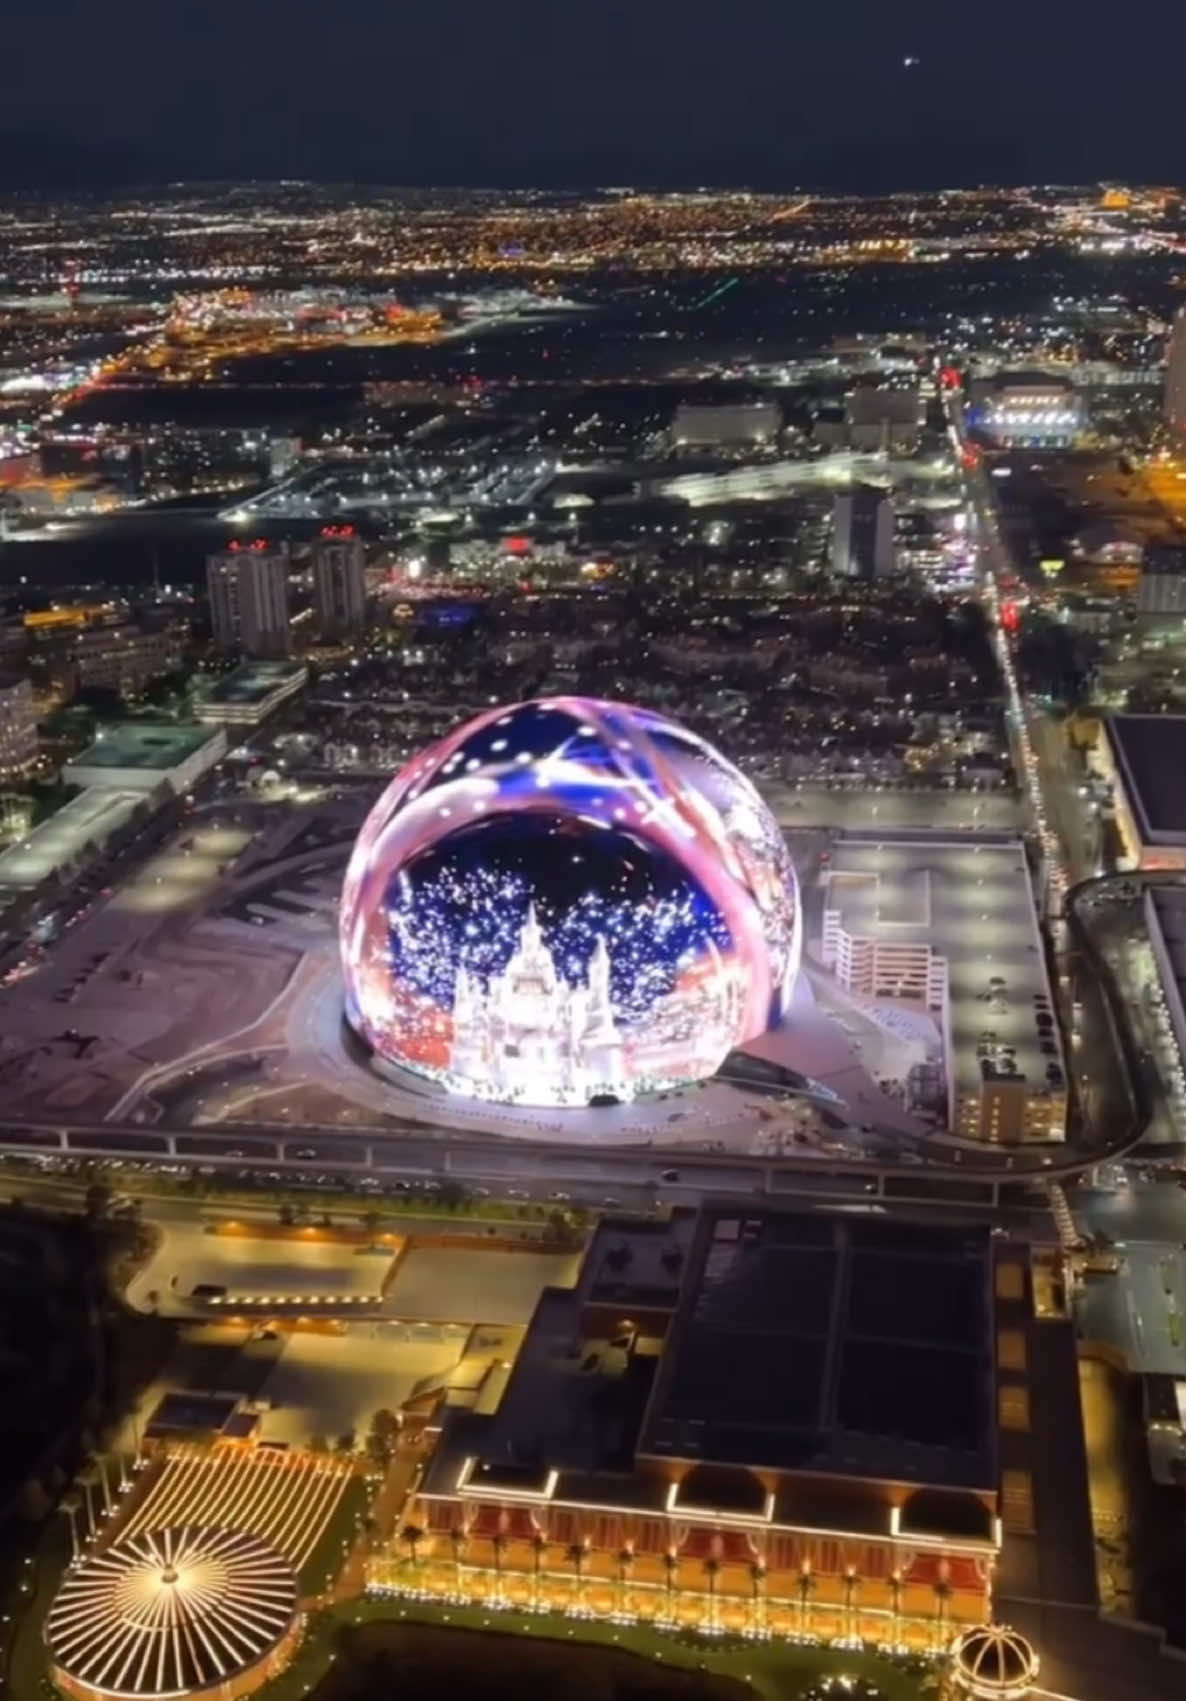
(555, 92)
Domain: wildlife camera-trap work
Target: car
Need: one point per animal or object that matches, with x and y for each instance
(669, 1175)
(559, 1197)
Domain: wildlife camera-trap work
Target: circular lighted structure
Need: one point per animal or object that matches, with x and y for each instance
(177, 1611)
(993, 1663)
(567, 901)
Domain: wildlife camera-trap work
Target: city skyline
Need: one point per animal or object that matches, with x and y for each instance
(593, 888)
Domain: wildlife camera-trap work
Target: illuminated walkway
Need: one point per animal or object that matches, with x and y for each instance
(665, 1602)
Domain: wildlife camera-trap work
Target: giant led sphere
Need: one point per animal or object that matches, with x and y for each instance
(566, 901)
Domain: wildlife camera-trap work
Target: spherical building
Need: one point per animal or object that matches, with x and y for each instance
(567, 901)
(174, 1612)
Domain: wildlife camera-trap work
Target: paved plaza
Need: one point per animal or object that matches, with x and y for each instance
(206, 989)
(191, 1255)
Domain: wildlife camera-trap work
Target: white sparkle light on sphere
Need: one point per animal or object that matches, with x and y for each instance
(568, 901)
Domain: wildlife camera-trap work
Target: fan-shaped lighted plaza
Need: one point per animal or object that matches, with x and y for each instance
(174, 1611)
(565, 902)
(189, 1581)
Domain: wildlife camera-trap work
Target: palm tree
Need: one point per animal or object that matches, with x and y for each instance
(625, 1566)
(670, 1573)
(99, 1464)
(539, 1546)
(458, 1541)
(757, 1579)
(575, 1555)
(70, 1506)
(850, 1588)
(712, 1570)
(498, 1544)
(895, 1583)
(942, 1596)
(87, 1483)
(411, 1535)
(806, 1585)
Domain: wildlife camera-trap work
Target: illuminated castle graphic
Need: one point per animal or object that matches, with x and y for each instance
(531, 1033)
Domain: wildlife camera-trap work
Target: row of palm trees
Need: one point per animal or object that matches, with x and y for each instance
(577, 1554)
(83, 1494)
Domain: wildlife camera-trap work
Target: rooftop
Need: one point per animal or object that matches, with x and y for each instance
(253, 681)
(971, 900)
(143, 744)
(840, 1352)
(573, 1402)
(851, 1347)
(1169, 917)
(1150, 752)
(90, 818)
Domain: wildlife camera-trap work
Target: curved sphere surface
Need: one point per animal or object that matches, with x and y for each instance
(565, 900)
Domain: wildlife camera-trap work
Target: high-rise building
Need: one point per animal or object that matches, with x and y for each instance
(263, 603)
(1175, 375)
(248, 590)
(222, 591)
(18, 725)
(863, 533)
(339, 582)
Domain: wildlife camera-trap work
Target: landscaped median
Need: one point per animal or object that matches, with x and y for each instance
(444, 1206)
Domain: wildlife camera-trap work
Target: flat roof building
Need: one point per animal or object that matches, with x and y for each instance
(945, 932)
(1028, 409)
(122, 658)
(1165, 922)
(706, 425)
(766, 1394)
(142, 755)
(882, 417)
(69, 837)
(1143, 757)
(1162, 587)
(250, 693)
